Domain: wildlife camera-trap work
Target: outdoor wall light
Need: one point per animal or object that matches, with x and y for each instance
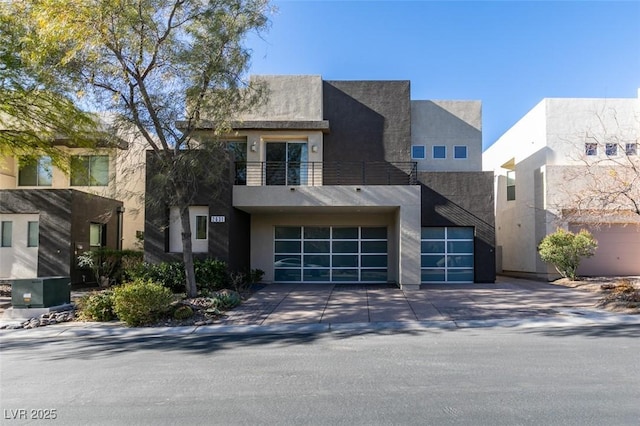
(358, 189)
(292, 189)
(314, 148)
(254, 147)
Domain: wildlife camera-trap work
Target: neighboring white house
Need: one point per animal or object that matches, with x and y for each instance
(553, 169)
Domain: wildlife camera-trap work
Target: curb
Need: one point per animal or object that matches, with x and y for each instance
(572, 318)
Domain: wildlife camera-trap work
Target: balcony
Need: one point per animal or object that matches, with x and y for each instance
(264, 173)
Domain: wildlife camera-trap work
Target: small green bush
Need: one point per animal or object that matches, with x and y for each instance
(141, 302)
(211, 274)
(226, 299)
(183, 312)
(564, 250)
(97, 306)
(169, 274)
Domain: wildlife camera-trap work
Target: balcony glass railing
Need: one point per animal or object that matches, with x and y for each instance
(260, 173)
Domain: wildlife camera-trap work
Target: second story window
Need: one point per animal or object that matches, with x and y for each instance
(631, 149)
(511, 185)
(90, 170)
(36, 173)
(439, 152)
(591, 148)
(611, 149)
(418, 152)
(460, 152)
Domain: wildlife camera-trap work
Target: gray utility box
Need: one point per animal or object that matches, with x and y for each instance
(42, 292)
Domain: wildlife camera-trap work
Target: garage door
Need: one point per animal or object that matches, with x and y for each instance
(330, 254)
(618, 251)
(447, 255)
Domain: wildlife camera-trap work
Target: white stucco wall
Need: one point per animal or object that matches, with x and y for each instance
(545, 148)
(19, 261)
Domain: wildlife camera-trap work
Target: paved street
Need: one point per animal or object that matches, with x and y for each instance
(497, 376)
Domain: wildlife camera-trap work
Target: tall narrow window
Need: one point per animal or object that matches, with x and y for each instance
(90, 170)
(201, 227)
(36, 173)
(33, 234)
(96, 235)
(6, 229)
(511, 185)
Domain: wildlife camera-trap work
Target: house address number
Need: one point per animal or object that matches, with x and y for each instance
(218, 219)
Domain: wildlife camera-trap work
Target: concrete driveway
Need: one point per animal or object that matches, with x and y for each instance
(507, 299)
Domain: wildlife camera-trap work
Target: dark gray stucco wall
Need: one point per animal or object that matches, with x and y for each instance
(228, 240)
(370, 120)
(463, 199)
(65, 216)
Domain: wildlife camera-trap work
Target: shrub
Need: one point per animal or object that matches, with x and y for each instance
(211, 274)
(97, 306)
(141, 302)
(169, 274)
(564, 250)
(226, 299)
(109, 263)
(183, 312)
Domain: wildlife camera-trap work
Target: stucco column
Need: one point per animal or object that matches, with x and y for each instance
(408, 224)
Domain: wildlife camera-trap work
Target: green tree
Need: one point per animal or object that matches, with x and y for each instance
(158, 64)
(564, 250)
(33, 112)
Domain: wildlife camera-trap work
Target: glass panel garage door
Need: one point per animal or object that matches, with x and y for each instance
(330, 254)
(447, 255)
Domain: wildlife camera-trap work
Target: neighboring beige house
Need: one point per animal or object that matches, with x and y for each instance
(47, 215)
(552, 169)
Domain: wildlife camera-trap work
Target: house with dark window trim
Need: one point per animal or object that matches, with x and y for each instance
(344, 182)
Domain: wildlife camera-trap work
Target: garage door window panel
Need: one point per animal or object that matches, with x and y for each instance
(447, 254)
(326, 254)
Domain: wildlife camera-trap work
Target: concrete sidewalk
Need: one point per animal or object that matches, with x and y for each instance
(312, 308)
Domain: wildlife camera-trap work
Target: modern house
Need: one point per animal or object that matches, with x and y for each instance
(48, 217)
(345, 182)
(572, 164)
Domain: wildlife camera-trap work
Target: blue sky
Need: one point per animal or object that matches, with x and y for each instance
(508, 54)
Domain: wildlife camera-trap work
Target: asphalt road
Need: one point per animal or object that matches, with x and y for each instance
(492, 376)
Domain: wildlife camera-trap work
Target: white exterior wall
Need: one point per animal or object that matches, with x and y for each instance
(19, 261)
(546, 150)
(522, 149)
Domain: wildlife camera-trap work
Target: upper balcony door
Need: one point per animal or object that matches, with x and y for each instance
(286, 163)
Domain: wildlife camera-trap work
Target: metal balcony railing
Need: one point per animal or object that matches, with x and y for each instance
(295, 173)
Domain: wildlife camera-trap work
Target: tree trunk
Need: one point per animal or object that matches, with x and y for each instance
(187, 253)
